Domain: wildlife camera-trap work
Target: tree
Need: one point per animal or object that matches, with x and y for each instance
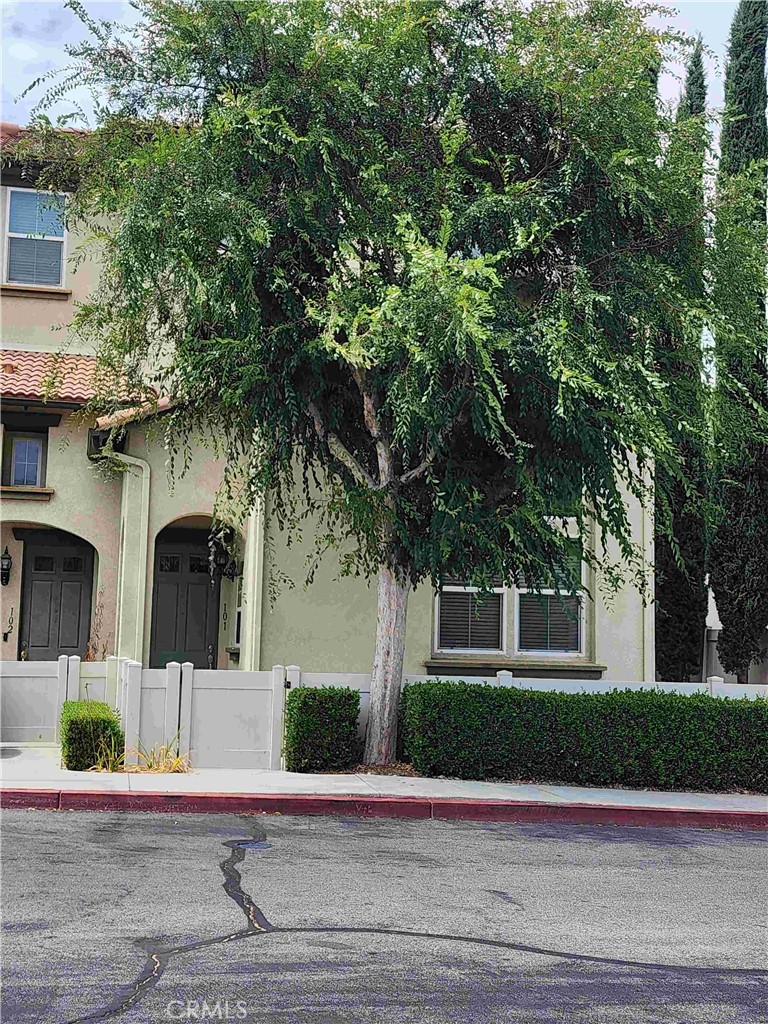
(680, 501)
(693, 102)
(739, 560)
(406, 263)
(745, 134)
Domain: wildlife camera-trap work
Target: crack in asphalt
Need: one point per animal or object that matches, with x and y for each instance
(159, 956)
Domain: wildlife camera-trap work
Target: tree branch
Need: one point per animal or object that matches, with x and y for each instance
(420, 470)
(373, 425)
(339, 450)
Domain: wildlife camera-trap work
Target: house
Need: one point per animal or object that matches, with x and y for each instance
(101, 563)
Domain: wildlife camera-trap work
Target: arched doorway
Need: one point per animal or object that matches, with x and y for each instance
(185, 597)
(56, 594)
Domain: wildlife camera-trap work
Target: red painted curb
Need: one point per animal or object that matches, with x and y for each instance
(597, 814)
(44, 799)
(383, 807)
(244, 803)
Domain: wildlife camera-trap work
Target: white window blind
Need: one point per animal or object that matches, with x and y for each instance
(35, 253)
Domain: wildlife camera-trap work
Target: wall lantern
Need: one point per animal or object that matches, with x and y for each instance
(220, 559)
(6, 564)
(221, 564)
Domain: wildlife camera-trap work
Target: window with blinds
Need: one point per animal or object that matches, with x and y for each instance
(469, 619)
(35, 253)
(549, 623)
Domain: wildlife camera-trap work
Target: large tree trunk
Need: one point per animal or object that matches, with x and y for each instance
(381, 737)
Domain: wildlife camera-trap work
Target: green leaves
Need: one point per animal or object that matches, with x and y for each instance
(422, 251)
(641, 739)
(321, 729)
(739, 555)
(87, 727)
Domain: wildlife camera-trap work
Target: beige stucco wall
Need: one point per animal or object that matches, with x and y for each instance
(623, 623)
(330, 625)
(28, 320)
(190, 498)
(82, 503)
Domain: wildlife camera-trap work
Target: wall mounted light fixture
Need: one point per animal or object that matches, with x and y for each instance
(6, 564)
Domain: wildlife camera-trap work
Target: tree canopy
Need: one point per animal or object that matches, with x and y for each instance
(682, 500)
(739, 557)
(419, 254)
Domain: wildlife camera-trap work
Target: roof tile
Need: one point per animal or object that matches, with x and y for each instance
(47, 376)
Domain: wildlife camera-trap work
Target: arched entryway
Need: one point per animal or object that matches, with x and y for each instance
(186, 596)
(56, 594)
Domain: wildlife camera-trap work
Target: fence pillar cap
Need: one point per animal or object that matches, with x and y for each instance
(715, 679)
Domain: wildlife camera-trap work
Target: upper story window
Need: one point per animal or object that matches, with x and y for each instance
(24, 457)
(35, 238)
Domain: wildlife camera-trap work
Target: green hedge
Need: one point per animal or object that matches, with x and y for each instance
(627, 738)
(85, 726)
(321, 729)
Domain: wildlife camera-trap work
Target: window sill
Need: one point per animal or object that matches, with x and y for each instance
(27, 493)
(538, 668)
(36, 291)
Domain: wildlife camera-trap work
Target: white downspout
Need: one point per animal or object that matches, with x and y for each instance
(253, 573)
(649, 608)
(131, 645)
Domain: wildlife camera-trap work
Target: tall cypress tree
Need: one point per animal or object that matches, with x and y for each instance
(745, 134)
(739, 556)
(693, 101)
(680, 542)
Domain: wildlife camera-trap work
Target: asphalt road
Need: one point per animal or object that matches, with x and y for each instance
(147, 917)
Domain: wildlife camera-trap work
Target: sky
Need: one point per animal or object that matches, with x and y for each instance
(36, 32)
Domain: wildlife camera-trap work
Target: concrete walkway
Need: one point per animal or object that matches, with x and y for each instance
(34, 770)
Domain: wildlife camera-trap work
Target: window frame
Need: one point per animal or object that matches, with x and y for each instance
(455, 588)
(10, 437)
(550, 592)
(42, 238)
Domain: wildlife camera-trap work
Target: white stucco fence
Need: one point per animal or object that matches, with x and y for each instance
(222, 719)
(225, 719)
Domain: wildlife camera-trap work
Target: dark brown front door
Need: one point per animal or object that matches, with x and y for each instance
(57, 586)
(185, 607)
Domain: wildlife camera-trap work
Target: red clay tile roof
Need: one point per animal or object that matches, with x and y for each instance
(45, 375)
(10, 132)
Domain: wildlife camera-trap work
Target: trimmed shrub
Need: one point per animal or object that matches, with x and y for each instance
(321, 729)
(638, 739)
(89, 728)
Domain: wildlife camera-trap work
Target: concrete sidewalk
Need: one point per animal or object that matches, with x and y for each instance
(32, 776)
